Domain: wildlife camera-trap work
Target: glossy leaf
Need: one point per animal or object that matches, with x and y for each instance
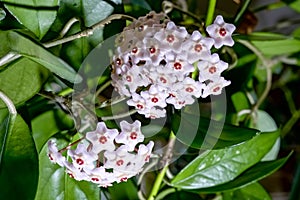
(278, 47)
(29, 49)
(48, 124)
(253, 191)
(55, 184)
(203, 133)
(22, 80)
(19, 162)
(255, 173)
(37, 16)
(216, 167)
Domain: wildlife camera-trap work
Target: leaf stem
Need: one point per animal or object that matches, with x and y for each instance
(119, 116)
(165, 161)
(10, 105)
(210, 12)
(89, 31)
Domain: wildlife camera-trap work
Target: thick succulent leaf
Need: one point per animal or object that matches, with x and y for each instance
(22, 80)
(18, 161)
(48, 124)
(21, 45)
(55, 184)
(216, 167)
(255, 173)
(253, 191)
(37, 16)
(203, 133)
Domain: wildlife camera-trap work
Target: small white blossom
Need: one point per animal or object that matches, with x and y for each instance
(215, 86)
(102, 138)
(130, 134)
(221, 32)
(54, 155)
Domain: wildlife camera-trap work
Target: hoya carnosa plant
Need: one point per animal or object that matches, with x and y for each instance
(158, 63)
(104, 156)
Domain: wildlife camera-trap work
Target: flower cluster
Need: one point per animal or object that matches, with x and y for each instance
(105, 155)
(158, 63)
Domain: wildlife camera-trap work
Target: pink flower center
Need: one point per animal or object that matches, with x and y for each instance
(147, 158)
(152, 49)
(79, 161)
(163, 80)
(177, 66)
(154, 99)
(212, 69)
(141, 28)
(128, 78)
(102, 139)
(133, 135)
(222, 32)
(170, 38)
(216, 89)
(189, 89)
(120, 162)
(71, 175)
(198, 47)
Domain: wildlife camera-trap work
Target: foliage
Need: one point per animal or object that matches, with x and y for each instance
(55, 70)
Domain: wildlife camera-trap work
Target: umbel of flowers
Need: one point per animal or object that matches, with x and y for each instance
(158, 63)
(105, 155)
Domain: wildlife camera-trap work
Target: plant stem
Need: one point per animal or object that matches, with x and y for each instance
(290, 123)
(242, 11)
(210, 12)
(119, 116)
(89, 31)
(165, 160)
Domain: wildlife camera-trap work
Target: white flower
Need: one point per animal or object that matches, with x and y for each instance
(198, 47)
(99, 176)
(215, 86)
(75, 173)
(154, 113)
(221, 32)
(155, 96)
(130, 134)
(171, 37)
(178, 100)
(102, 138)
(213, 67)
(54, 155)
(82, 159)
(189, 87)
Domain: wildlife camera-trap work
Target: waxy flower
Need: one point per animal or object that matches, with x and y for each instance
(221, 32)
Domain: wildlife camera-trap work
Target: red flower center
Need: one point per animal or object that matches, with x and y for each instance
(134, 50)
(222, 32)
(152, 49)
(133, 135)
(139, 106)
(154, 100)
(163, 80)
(123, 179)
(128, 78)
(79, 161)
(177, 66)
(118, 61)
(95, 179)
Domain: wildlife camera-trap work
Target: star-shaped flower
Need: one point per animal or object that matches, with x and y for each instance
(102, 138)
(221, 32)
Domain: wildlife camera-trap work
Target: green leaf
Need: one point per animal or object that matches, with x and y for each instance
(22, 80)
(216, 167)
(19, 161)
(240, 101)
(37, 16)
(19, 44)
(203, 133)
(55, 184)
(253, 191)
(2, 14)
(265, 123)
(255, 173)
(125, 190)
(48, 124)
(278, 47)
